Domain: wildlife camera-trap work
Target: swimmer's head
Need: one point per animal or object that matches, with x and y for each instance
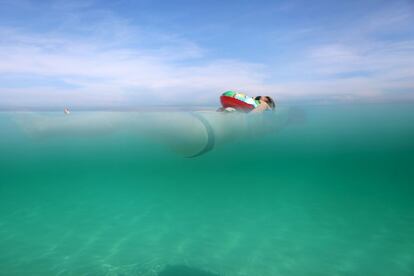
(270, 102)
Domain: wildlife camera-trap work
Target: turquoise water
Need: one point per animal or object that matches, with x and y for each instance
(328, 193)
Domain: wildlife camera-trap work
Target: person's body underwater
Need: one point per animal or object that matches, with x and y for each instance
(235, 101)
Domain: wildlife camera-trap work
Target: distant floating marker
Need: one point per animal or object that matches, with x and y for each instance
(66, 111)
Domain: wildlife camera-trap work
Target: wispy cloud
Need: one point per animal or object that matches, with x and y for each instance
(372, 58)
(94, 66)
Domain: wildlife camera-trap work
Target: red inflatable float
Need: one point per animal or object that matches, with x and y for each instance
(227, 101)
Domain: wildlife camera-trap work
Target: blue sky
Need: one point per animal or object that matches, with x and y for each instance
(111, 53)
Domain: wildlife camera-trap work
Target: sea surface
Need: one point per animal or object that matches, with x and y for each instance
(329, 192)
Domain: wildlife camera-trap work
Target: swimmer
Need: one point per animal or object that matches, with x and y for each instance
(235, 101)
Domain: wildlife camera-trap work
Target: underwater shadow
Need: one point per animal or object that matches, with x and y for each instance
(183, 270)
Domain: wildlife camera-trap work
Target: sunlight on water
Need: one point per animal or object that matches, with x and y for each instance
(314, 190)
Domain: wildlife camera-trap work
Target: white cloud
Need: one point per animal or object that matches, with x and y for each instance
(98, 69)
(371, 59)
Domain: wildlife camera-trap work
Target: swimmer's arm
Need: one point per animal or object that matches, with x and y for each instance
(261, 107)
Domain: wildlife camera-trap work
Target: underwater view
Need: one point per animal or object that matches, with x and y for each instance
(306, 190)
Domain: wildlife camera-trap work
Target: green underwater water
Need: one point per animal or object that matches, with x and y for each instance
(328, 194)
